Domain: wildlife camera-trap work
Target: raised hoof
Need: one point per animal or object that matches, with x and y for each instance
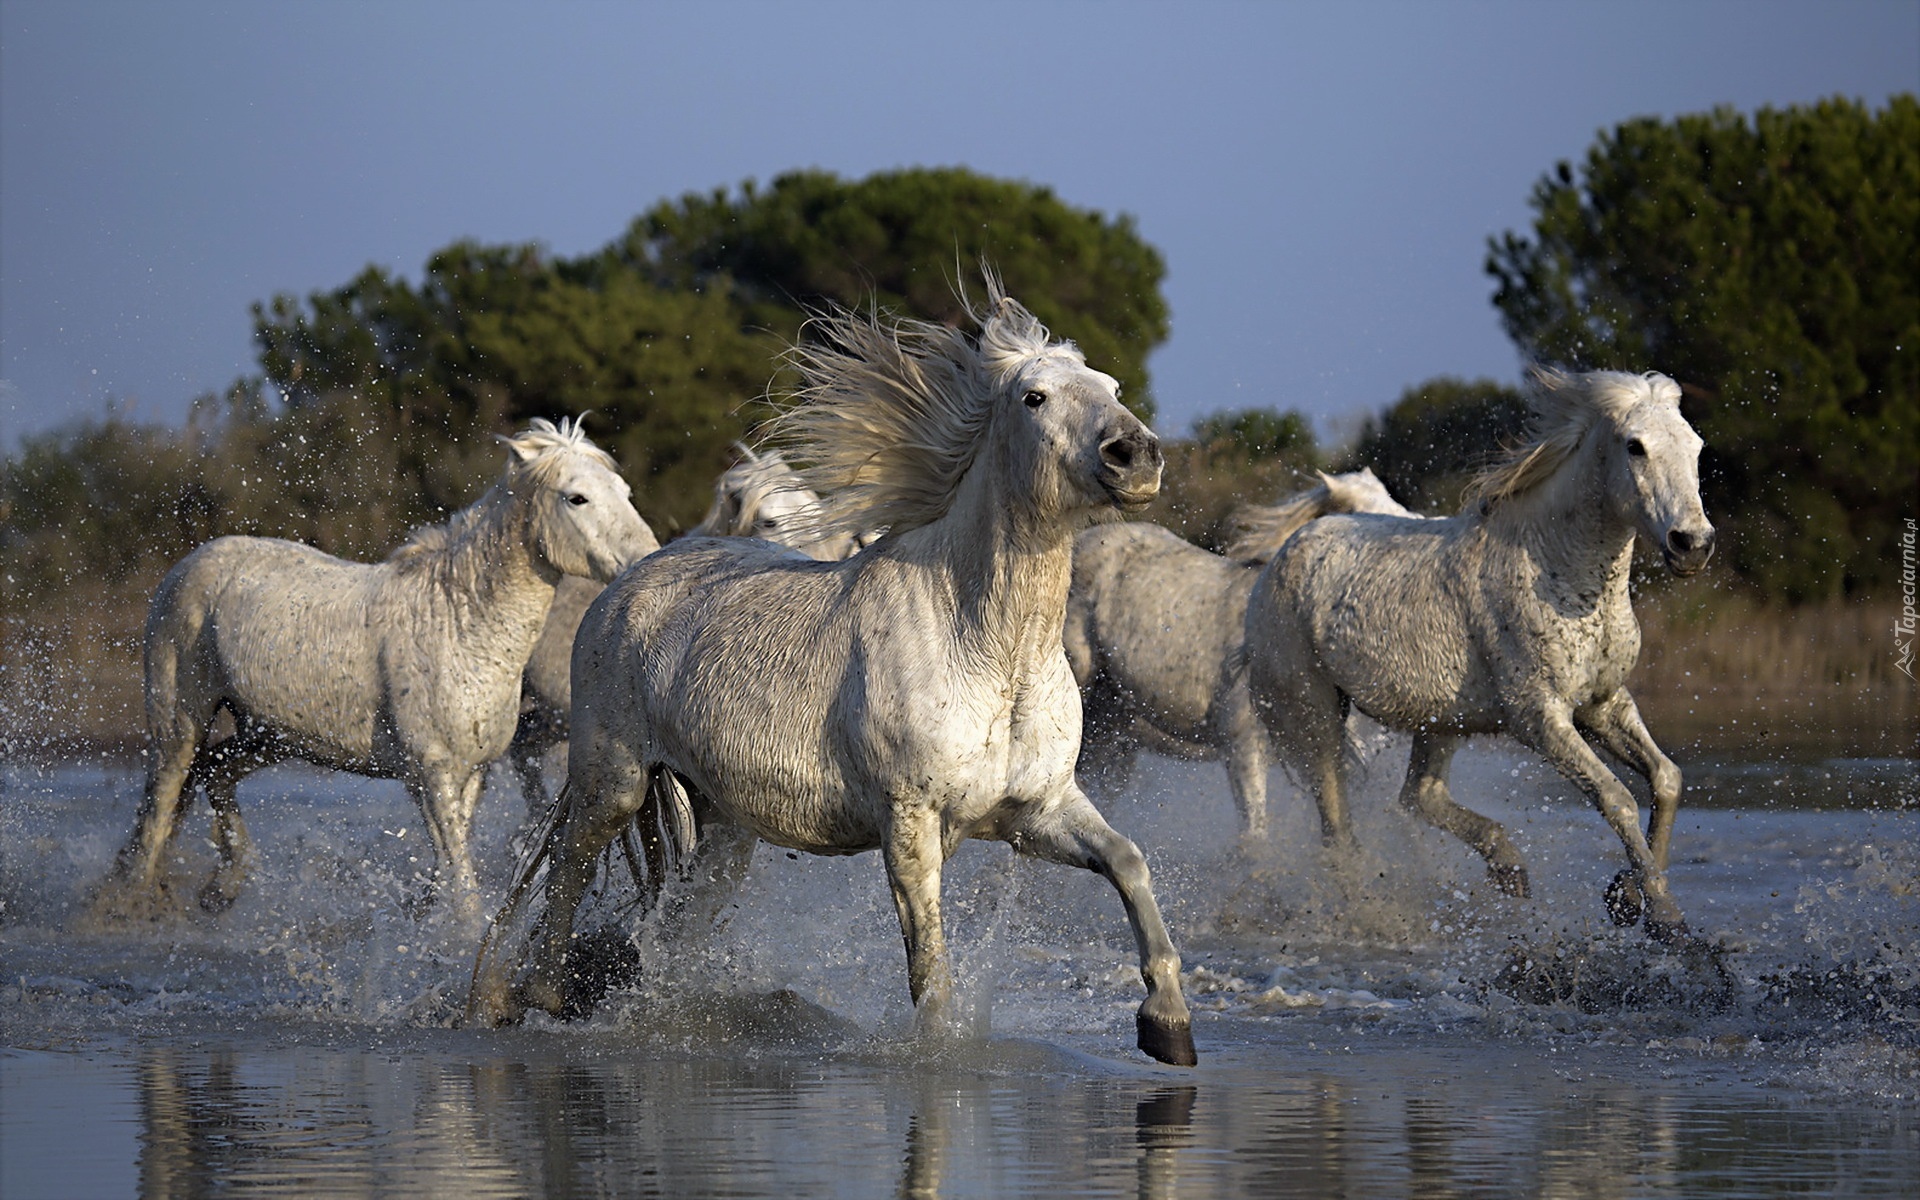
(1625, 900)
(1512, 881)
(1170, 1044)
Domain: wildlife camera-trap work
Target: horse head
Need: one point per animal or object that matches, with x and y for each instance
(1061, 423)
(1652, 466)
(762, 497)
(580, 513)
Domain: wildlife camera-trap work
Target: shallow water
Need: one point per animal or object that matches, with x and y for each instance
(1389, 1026)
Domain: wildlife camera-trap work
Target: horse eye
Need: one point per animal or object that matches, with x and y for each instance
(1637, 448)
(1034, 399)
(576, 499)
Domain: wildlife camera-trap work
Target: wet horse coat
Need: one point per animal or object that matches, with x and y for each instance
(906, 699)
(1513, 617)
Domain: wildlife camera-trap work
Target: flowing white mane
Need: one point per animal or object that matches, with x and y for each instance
(891, 410)
(1564, 408)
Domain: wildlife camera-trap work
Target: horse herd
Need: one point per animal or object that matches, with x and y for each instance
(792, 676)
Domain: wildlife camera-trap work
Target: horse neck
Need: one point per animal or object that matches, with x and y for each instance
(1566, 526)
(492, 573)
(1007, 568)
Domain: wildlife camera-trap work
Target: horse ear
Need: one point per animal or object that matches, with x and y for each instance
(519, 453)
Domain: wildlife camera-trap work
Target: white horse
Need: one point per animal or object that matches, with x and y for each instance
(1512, 617)
(408, 668)
(758, 496)
(1154, 633)
(902, 700)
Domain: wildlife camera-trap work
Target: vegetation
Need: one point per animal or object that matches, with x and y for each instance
(1431, 441)
(1254, 455)
(1767, 263)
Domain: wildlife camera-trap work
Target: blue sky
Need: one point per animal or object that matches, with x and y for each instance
(1322, 178)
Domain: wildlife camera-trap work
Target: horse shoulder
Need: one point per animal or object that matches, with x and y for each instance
(1549, 641)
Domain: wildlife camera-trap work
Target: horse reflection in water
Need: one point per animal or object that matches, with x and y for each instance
(906, 699)
(758, 496)
(1155, 633)
(1512, 617)
(408, 668)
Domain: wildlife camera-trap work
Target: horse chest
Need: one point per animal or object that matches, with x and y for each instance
(1582, 658)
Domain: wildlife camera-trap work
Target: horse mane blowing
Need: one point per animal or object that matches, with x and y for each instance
(1564, 407)
(890, 412)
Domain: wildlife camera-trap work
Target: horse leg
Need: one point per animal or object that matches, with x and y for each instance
(1076, 835)
(538, 731)
(711, 874)
(1306, 718)
(1553, 735)
(225, 766)
(135, 875)
(915, 851)
(1617, 723)
(594, 806)
(1247, 755)
(1425, 792)
(447, 800)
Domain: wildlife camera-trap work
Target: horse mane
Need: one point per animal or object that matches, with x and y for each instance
(533, 456)
(891, 410)
(1564, 407)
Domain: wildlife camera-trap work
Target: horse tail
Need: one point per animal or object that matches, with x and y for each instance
(1259, 530)
(667, 830)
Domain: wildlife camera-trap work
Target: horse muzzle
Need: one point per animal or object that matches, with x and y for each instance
(1687, 551)
(1130, 467)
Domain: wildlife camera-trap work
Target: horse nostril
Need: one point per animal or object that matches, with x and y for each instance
(1680, 540)
(1118, 452)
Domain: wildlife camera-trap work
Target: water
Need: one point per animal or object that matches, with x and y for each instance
(1393, 1028)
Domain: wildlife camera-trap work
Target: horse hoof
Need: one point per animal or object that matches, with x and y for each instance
(1170, 1044)
(1511, 880)
(1625, 900)
(218, 896)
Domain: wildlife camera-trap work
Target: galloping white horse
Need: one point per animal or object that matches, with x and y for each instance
(1512, 617)
(1154, 631)
(758, 496)
(903, 700)
(407, 668)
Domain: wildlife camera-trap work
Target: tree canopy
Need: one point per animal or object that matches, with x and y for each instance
(672, 333)
(1769, 265)
(1426, 446)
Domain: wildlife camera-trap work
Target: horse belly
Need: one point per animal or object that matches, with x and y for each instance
(1421, 672)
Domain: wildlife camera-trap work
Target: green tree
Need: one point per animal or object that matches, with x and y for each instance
(1436, 435)
(904, 240)
(1769, 265)
(673, 332)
